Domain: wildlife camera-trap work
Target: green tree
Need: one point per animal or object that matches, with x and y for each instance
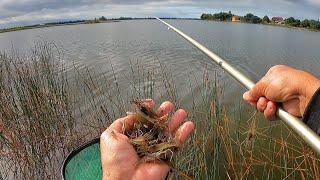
(289, 20)
(314, 24)
(250, 18)
(206, 16)
(305, 23)
(292, 22)
(102, 18)
(222, 16)
(256, 20)
(266, 19)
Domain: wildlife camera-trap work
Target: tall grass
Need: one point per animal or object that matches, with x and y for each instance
(47, 110)
(35, 113)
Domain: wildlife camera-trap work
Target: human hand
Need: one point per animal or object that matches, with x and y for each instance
(119, 158)
(282, 84)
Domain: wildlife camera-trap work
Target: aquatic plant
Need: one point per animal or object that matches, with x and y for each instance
(35, 114)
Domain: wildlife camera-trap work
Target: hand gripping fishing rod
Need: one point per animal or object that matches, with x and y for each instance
(296, 124)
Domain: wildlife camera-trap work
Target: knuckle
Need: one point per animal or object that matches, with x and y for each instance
(258, 89)
(277, 68)
(104, 135)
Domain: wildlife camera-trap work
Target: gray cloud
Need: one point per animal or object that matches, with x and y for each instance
(15, 12)
(11, 7)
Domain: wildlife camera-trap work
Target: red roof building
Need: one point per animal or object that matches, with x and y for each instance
(277, 20)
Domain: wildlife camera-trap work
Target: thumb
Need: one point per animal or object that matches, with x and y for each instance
(258, 90)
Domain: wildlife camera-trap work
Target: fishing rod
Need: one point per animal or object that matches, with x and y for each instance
(307, 134)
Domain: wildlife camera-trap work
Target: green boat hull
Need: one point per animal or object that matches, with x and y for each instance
(83, 163)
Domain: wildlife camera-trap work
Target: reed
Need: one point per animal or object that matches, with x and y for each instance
(242, 148)
(35, 112)
(49, 107)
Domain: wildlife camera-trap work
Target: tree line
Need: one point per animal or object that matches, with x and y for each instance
(251, 18)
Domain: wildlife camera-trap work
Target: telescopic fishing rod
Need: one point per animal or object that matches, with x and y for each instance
(296, 124)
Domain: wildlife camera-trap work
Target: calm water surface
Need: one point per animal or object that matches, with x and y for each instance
(253, 49)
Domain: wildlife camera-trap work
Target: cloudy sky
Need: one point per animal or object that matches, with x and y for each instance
(25, 12)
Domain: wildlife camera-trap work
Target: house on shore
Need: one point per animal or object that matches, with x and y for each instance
(235, 19)
(277, 20)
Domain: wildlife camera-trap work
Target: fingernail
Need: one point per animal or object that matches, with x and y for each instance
(165, 106)
(130, 113)
(244, 95)
(104, 137)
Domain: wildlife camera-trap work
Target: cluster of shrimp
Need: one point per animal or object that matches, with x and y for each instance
(149, 137)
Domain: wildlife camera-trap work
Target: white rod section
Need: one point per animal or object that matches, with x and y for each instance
(296, 124)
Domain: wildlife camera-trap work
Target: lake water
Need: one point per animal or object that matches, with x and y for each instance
(253, 49)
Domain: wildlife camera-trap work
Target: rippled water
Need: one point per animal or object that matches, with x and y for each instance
(251, 48)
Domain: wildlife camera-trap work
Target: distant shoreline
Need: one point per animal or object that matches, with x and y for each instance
(292, 27)
(70, 23)
(275, 25)
(78, 22)
(291, 22)
(38, 26)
